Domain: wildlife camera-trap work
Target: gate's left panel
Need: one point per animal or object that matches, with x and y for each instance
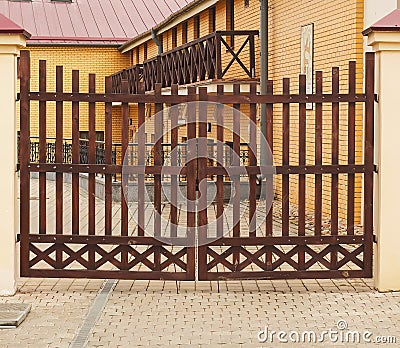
(84, 179)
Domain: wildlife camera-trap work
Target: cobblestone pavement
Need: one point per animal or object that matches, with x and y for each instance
(229, 314)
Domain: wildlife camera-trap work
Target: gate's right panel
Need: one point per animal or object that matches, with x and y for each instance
(306, 210)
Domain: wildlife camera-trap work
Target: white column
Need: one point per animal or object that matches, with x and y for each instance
(10, 45)
(387, 221)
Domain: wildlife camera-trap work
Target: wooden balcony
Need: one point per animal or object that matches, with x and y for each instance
(212, 57)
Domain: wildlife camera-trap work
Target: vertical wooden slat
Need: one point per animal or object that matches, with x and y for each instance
(191, 177)
(92, 157)
(302, 161)
(285, 159)
(220, 163)
(351, 149)
(174, 163)
(335, 160)
(236, 178)
(59, 159)
(253, 162)
(202, 219)
(108, 159)
(124, 149)
(270, 142)
(25, 66)
(269, 196)
(369, 160)
(318, 157)
(124, 178)
(141, 161)
(42, 148)
(92, 177)
(75, 154)
(158, 148)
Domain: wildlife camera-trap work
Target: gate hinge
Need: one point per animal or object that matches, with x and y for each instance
(376, 168)
(375, 239)
(18, 97)
(376, 97)
(17, 168)
(18, 238)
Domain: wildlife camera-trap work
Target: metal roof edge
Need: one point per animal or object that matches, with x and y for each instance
(80, 44)
(73, 38)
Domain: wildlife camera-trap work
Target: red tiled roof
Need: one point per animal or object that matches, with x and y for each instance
(8, 26)
(391, 22)
(88, 21)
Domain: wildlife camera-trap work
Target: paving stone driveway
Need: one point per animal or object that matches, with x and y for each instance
(229, 314)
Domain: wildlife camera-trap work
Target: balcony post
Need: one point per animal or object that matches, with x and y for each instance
(218, 55)
(137, 79)
(158, 78)
(252, 57)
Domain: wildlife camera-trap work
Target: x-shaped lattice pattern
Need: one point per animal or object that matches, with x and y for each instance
(284, 257)
(113, 256)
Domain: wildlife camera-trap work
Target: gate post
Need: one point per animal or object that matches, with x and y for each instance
(12, 39)
(384, 37)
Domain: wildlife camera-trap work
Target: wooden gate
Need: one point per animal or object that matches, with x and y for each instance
(248, 239)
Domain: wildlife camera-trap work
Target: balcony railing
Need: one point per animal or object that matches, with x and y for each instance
(207, 58)
(132, 75)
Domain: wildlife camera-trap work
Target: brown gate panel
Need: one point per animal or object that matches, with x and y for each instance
(78, 235)
(298, 245)
(287, 224)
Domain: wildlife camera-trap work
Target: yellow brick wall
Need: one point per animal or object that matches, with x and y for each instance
(337, 40)
(179, 35)
(102, 61)
(167, 40)
(190, 29)
(204, 23)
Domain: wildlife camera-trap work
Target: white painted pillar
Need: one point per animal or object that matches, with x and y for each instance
(386, 44)
(10, 45)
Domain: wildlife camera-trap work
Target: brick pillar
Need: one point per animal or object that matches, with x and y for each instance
(12, 38)
(384, 38)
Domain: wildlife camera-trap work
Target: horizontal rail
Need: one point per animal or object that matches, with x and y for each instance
(107, 240)
(171, 170)
(176, 99)
(100, 274)
(265, 275)
(225, 241)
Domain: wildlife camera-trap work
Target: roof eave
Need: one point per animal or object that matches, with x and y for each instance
(389, 23)
(366, 32)
(16, 31)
